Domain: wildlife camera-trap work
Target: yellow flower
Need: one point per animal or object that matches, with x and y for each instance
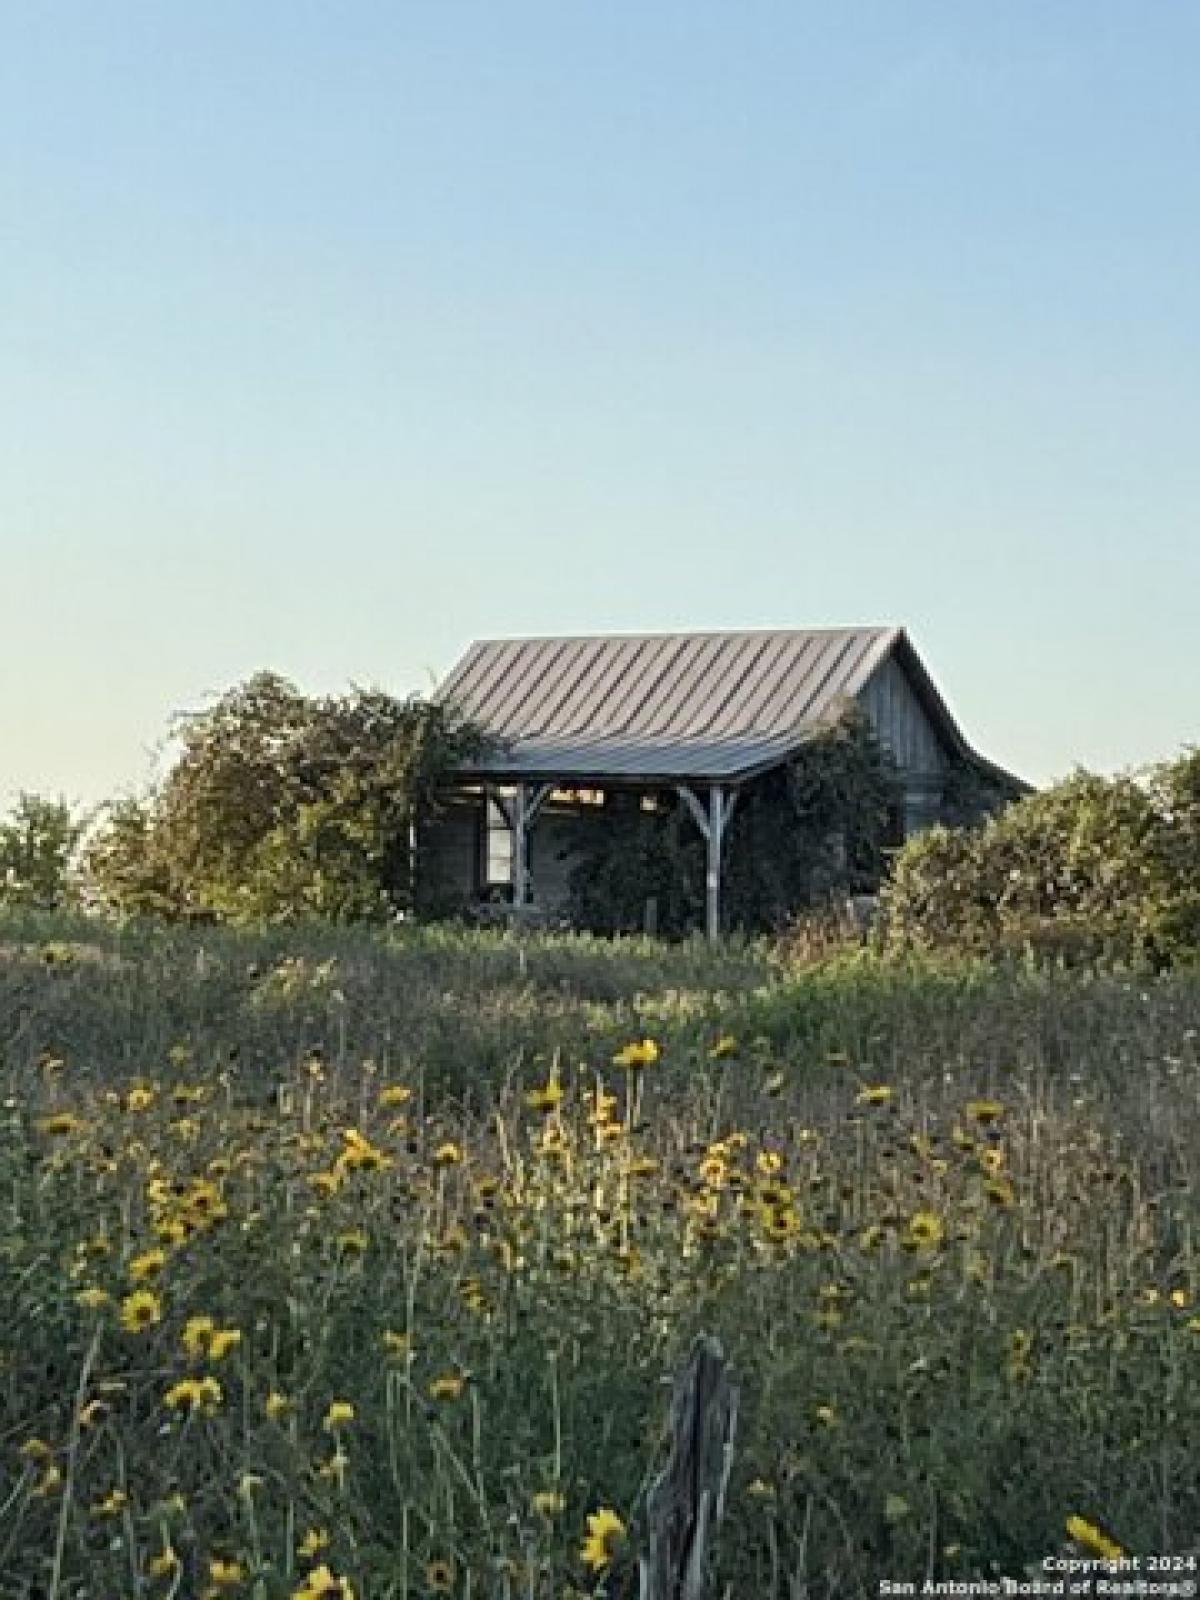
(194, 1394)
(277, 1405)
(60, 1125)
(112, 1505)
(641, 1053)
(1093, 1540)
(140, 1310)
(439, 1577)
(92, 1413)
(226, 1574)
(874, 1094)
(340, 1412)
(827, 1416)
(197, 1335)
(984, 1110)
(395, 1094)
(448, 1154)
(313, 1542)
(222, 1342)
(548, 1097)
(165, 1564)
(399, 1345)
(548, 1502)
(321, 1581)
(449, 1386)
(605, 1536)
(760, 1489)
(925, 1231)
(139, 1098)
(726, 1045)
(93, 1298)
(146, 1266)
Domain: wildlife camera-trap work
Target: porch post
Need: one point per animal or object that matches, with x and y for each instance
(528, 800)
(712, 879)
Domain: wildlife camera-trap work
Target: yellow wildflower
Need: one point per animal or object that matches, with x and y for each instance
(140, 1310)
(197, 1336)
(548, 1502)
(439, 1577)
(164, 1565)
(874, 1094)
(277, 1405)
(641, 1053)
(605, 1536)
(313, 1542)
(222, 1342)
(93, 1298)
(226, 1574)
(1093, 1539)
(112, 1505)
(925, 1231)
(448, 1386)
(340, 1412)
(146, 1266)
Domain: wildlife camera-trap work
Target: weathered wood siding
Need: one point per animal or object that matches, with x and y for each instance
(450, 850)
(902, 727)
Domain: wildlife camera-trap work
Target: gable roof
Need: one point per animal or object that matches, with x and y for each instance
(672, 706)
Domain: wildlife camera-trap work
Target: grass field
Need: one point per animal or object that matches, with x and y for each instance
(360, 1264)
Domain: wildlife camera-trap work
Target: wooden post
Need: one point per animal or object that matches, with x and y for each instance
(712, 824)
(687, 1500)
(527, 802)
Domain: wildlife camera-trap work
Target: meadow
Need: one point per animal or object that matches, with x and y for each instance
(359, 1264)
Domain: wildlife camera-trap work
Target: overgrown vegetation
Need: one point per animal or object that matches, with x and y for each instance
(1092, 869)
(281, 806)
(800, 835)
(353, 1263)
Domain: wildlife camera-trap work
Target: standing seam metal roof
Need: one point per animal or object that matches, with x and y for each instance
(715, 705)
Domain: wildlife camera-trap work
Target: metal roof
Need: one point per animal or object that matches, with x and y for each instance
(662, 705)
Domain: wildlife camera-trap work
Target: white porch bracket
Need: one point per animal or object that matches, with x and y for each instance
(712, 820)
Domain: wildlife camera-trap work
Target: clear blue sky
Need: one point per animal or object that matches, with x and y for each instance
(334, 335)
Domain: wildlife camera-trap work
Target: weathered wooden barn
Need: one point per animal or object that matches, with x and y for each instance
(609, 720)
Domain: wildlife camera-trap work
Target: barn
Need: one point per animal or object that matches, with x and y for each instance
(624, 720)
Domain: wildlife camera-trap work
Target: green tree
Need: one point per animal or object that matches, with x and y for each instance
(38, 842)
(285, 806)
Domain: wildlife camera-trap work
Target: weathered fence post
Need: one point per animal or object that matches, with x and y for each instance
(687, 1500)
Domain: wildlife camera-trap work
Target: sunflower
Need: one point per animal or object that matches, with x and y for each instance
(439, 1577)
(925, 1231)
(1093, 1539)
(641, 1053)
(140, 1310)
(605, 1536)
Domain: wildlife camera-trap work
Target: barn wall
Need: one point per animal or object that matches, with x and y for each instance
(450, 850)
(554, 838)
(903, 728)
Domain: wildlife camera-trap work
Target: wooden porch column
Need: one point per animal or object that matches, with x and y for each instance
(527, 801)
(712, 822)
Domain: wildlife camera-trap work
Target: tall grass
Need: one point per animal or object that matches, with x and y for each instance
(943, 1219)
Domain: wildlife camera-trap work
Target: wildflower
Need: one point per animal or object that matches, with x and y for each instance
(146, 1266)
(164, 1565)
(874, 1094)
(760, 1489)
(226, 1574)
(60, 1125)
(725, 1046)
(222, 1342)
(395, 1094)
(197, 1335)
(1093, 1539)
(774, 1083)
(93, 1298)
(339, 1413)
(277, 1405)
(449, 1386)
(548, 1502)
(334, 1470)
(984, 1111)
(769, 1163)
(35, 1449)
(991, 1161)
(641, 1053)
(1000, 1192)
(605, 1536)
(439, 1577)
(140, 1310)
(398, 1345)
(92, 1413)
(112, 1505)
(925, 1231)
(827, 1416)
(548, 1096)
(448, 1154)
(321, 1581)
(49, 1483)
(139, 1098)
(313, 1542)
(194, 1394)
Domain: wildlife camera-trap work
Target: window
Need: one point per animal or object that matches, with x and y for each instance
(497, 846)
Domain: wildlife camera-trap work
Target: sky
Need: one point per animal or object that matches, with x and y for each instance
(333, 336)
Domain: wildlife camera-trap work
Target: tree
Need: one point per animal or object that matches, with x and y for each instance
(38, 841)
(284, 806)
